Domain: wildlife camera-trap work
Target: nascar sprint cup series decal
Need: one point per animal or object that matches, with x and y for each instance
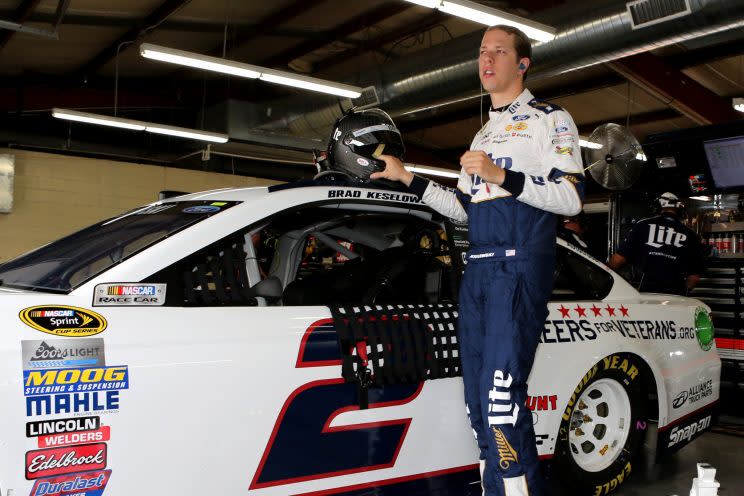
(63, 320)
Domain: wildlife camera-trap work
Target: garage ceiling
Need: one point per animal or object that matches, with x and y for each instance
(93, 64)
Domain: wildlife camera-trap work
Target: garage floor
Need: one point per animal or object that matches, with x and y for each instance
(673, 476)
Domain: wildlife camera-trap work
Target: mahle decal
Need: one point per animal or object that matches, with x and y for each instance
(63, 320)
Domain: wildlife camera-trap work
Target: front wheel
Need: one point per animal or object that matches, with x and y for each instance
(603, 427)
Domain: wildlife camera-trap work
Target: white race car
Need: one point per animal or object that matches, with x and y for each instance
(300, 339)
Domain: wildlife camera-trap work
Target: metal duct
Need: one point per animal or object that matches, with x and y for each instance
(449, 70)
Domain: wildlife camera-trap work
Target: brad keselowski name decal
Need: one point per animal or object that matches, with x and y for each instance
(578, 324)
(373, 195)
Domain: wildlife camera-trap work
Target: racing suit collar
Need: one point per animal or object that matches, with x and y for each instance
(518, 103)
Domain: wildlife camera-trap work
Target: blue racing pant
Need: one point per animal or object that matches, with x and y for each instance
(503, 307)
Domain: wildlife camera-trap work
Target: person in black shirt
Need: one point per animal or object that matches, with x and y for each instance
(667, 253)
(571, 230)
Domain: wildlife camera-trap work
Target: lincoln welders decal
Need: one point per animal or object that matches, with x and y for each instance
(58, 353)
(85, 484)
(56, 440)
(129, 294)
(61, 426)
(59, 461)
(63, 320)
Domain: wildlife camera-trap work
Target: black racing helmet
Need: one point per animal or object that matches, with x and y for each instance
(358, 138)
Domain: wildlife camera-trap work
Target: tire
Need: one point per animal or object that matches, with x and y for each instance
(603, 427)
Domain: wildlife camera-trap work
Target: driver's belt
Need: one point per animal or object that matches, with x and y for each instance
(394, 344)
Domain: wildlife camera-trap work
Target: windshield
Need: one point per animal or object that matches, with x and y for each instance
(65, 264)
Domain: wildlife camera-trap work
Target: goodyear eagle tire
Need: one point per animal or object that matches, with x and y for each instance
(603, 427)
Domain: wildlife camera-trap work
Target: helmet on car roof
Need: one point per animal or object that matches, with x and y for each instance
(358, 138)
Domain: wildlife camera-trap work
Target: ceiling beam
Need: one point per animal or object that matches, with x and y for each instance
(670, 85)
(706, 55)
(348, 28)
(587, 128)
(267, 24)
(20, 16)
(382, 40)
(157, 16)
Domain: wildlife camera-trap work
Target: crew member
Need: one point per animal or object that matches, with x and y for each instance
(571, 230)
(667, 254)
(523, 167)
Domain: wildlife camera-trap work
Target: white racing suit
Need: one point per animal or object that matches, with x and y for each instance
(509, 275)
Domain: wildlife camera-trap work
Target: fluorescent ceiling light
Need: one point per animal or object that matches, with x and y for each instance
(105, 120)
(183, 132)
(224, 66)
(589, 144)
(309, 83)
(198, 61)
(738, 104)
(432, 171)
(102, 120)
(700, 198)
(488, 16)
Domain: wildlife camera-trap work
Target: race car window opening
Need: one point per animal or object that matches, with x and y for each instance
(576, 278)
(67, 263)
(293, 257)
(400, 260)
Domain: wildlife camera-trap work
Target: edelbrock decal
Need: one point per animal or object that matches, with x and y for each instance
(63, 320)
(59, 461)
(58, 353)
(130, 294)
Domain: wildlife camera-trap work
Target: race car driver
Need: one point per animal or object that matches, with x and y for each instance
(523, 167)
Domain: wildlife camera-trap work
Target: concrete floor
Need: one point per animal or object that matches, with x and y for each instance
(673, 475)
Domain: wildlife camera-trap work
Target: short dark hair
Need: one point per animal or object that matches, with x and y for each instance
(522, 43)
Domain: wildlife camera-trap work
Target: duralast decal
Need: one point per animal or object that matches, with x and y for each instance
(129, 294)
(85, 484)
(63, 320)
(67, 353)
(59, 461)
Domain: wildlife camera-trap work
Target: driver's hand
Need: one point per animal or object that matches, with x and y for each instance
(394, 171)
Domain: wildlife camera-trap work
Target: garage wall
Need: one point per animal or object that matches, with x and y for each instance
(55, 195)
